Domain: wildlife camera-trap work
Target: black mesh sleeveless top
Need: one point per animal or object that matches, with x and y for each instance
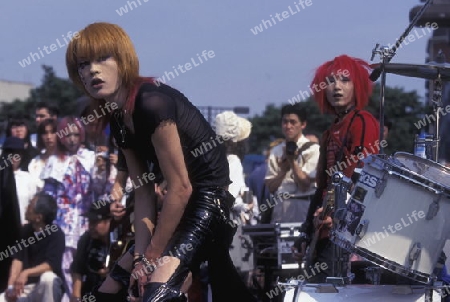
(205, 157)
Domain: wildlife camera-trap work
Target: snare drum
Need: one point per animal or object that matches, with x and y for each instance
(396, 217)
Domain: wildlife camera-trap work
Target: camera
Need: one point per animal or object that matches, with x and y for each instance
(291, 147)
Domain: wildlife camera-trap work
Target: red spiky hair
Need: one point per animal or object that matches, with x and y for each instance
(358, 72)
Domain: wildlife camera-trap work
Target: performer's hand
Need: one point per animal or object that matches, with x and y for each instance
(299, 254)
(320, 223)
(117, 210)
(113, 158)
(103, 272)
(19, 284)
(153, 251)
(140, 276)
(10, 295)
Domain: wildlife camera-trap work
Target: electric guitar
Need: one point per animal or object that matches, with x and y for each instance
(320, 232)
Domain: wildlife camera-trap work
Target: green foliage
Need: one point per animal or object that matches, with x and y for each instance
(402, 108)
(267, 127)
(53, 90)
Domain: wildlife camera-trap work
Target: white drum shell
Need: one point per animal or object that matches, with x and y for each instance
(396, 219)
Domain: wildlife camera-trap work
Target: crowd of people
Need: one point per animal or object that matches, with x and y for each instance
(77, 186)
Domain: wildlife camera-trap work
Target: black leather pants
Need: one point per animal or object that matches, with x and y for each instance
(205, 232)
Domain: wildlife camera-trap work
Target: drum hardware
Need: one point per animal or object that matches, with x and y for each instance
(340, 271)
(342, 185)
(419, 182)
(433, 209)
(340, 214)
(381, 185)
(414, 253)
(362, 228)
(421, 168)
(434, 172)
(430, 71)
(386, 54)
(373, 274)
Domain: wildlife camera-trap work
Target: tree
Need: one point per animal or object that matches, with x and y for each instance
(267, 127)
(53, 90)
(403, 109)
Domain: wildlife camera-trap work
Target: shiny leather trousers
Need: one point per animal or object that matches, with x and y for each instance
(205, 233)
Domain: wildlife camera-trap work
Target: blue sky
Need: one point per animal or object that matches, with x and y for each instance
(246, 70)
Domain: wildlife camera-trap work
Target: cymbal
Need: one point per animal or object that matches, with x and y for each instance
(427, 71)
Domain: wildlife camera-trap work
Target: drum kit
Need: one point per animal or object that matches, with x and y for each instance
(396, 215)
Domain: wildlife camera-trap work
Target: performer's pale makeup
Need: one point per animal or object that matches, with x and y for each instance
(101, 78)
(340, 93)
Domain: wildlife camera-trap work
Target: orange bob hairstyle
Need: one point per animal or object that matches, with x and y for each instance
(105, 39)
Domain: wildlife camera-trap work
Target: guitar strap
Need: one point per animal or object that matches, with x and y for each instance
(317, 199)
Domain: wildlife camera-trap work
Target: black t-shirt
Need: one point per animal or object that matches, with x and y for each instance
(204, 153)
(35, 248)
(28, 154)
(89, 259)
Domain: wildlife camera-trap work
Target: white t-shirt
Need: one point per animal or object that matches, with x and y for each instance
(26, 188)
(307, 161)
(35, 168)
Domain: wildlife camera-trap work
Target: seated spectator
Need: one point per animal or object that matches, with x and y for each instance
(35, 273)
(89, 267)
(26, 187)
(9, 216)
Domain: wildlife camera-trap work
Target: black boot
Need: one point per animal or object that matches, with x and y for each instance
(159, 292)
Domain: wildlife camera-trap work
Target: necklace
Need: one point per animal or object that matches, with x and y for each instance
(122, 129)
(340, 115)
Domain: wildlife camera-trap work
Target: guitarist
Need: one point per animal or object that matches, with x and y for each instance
(341, 87)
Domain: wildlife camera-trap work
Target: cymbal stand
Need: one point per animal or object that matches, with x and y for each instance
(386, 55)
(437, 109)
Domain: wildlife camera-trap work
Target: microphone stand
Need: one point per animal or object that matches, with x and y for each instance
(386, 55)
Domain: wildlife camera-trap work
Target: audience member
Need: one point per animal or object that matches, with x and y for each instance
(9, 215)
(43, 112)
(67, 177)
(18, 127)
(26, 187)
(292, 168)
(256, 183)
(35, 273)
(89, 267)
(47, 145)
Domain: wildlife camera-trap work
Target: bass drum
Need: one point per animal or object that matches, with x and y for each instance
(358, 293)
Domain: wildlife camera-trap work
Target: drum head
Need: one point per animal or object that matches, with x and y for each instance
(424, 167)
